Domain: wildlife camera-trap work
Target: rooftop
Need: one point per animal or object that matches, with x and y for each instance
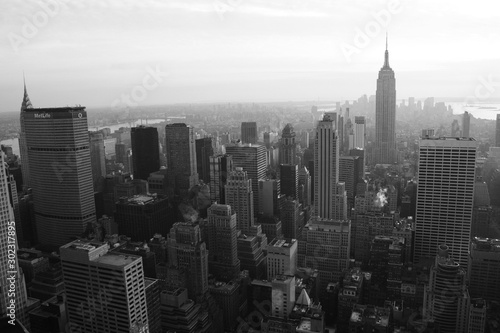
(287, 243)
(114, 259)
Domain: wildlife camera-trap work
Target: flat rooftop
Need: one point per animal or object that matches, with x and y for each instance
(118, 260)
(286, 243)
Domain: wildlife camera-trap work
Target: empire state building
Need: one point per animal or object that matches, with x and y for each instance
(385, 115)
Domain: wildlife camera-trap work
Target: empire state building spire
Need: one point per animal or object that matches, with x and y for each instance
(26, 99)
(386, 62)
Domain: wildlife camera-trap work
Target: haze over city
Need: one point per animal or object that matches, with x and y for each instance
(90, 53)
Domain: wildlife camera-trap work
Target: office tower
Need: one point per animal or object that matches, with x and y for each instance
(145, 151)
(222, 242)
(292, 218)
(249, 132)
(304, 187)
(240, 197)
(251, 255)
(13, 297)
(445, 197)
(349, 174)
(181, 314)
(181, 157)
(359, 132)
(220, 167)
(60, 171)
(455, 129)
(350, 293)
(477, 316)
(97, 157)
(271, 226)
(385, 115)
(187, 251)
(326, 166)
(466, 125)
(48, 284)
(340, 130)
(497, 134)
(204, 149)
(446, 299)
(484, 269)
(325, 246)
(51, 316)
(367, 226)
(281, 257)
(26, 104)
(141, 216)
(288, 146)
(104, 290)
(31, 262)
(228, 296)
(270, 197)
(283, 296)
(360, 153)
(289, 176)
(152, 289)
(482, 211)
(252, 158)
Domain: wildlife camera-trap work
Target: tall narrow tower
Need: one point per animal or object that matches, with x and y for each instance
(181, 156)
(385, 114)
(145, 151)
(326, 166)
(22, 140)
(239, 196)
(288, 146)
(60, 171)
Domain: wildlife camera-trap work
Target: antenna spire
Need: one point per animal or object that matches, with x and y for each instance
(386, 61)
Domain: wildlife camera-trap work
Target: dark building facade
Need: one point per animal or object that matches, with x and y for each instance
(60, 171)
(145, 151)
(289, 176)
(204, 149)
(249, 132)
(140, 217)
(181, 157)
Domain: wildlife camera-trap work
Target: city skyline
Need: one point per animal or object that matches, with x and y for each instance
(214, 51)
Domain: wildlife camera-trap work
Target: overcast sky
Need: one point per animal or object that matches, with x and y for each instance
(93, 52)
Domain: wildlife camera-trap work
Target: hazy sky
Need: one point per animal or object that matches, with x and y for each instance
(93, 52)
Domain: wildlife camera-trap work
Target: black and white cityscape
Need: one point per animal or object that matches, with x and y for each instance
(246, 166)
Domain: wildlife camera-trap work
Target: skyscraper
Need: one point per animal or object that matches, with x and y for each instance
(304, 187)
(187, 251)
(289, 176)
(145, 151)
(97, 157)
(326, 166)
(104, 290)
(22, 140)
(12, 288)
(181, 157)
(288, 146)
(466, 125)
(281, 257)
(204, 149)
(446, 175)
(240, 197)
(220, 167)
(249, 132)
(359, 132)
(252, 158)
(385, 115)
(446, 299)
(60, 170)
(270, 197)
(223, 259)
